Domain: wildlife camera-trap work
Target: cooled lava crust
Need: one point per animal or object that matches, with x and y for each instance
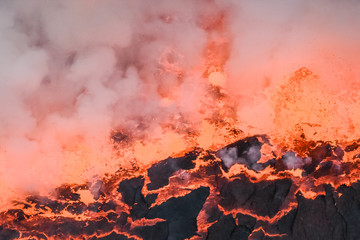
(199, 196)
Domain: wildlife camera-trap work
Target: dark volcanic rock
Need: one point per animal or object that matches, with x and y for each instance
(235, 193)
(339, 153)
(102, 225)
(326, 168)
(64, 227)
(285, 224)
(122, 220)
(44, 202)
(351, 147)
(139, 210)
(314, 219)
(113, 236)
(181, 213)
(225, 228)
(263, 198)
(151, 198)
(318, 219)
(335, 215)
(160, 172)
(317, 155)
(213, 214)
(104, 206)
(222, 229)
(18, 214)
(76, 208)
(107, 206)
(141, 206)
(260, 235)
(130, 190)
(8, 233)
(65, 192)
(246, 221)
(160, 231)
(348, 206)
(94, 207)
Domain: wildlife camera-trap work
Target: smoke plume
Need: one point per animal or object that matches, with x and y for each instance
(74, 73)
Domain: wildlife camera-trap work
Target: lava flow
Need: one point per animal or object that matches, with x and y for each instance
(247, 189)
(178, 119)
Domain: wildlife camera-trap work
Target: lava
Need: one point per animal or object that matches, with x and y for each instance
(179, 120)
(196, 192)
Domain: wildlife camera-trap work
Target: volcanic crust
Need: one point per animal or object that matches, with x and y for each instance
(238, 192)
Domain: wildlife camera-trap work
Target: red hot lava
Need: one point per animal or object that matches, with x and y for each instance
(179, 120)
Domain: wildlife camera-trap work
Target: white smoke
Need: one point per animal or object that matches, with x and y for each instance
(230, 156)
(73, 71)
(292, 161)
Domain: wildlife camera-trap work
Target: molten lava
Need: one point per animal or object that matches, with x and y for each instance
(217, 182)
(179, 120)
(244, 189)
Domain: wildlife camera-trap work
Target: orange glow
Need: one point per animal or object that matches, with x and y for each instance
(170, 144)
(304, 107)
(217, 79)
(166, 101)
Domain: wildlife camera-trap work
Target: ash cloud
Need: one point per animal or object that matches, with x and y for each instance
(74, 71)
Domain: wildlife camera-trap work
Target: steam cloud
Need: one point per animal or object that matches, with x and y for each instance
(74, 71)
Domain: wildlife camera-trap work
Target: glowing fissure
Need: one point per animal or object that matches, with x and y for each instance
(129, 202)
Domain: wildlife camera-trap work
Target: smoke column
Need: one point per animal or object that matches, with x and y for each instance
(74, 72)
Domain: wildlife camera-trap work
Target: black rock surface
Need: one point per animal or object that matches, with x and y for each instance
(227, 229)
(231, 206)
(263, 198)
(181, 213)
(160, 172)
